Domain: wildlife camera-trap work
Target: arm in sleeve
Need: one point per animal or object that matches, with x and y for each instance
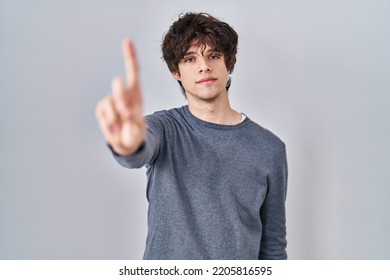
(148, 150)
(273, 211)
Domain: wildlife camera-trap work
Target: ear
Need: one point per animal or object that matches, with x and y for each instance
(176, 75)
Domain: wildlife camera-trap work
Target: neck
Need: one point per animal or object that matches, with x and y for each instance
(216, 111)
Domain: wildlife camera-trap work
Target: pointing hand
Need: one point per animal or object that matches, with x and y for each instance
(120, 114)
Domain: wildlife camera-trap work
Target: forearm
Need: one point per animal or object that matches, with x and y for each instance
(273, 212)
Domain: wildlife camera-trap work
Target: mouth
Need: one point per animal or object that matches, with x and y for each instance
(206, 81)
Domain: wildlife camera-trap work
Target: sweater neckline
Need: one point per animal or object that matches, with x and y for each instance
(198, 121)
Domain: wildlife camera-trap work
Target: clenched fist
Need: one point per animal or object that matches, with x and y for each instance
(120, 114)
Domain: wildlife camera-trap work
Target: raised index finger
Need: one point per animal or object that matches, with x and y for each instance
(131, 64)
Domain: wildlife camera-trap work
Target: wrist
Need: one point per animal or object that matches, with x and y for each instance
(126, 152)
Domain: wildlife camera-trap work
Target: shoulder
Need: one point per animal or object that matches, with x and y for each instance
(265, 136)
(166, 118)
(268, 147)
(166, 114)
(265, 145)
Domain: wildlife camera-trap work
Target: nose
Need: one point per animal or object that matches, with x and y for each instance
(204, 65)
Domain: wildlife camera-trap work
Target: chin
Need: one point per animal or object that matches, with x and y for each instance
(208, 95)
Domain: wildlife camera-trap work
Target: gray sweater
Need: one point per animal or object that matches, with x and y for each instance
(214, 191)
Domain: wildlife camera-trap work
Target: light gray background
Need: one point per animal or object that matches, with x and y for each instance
(316, 73)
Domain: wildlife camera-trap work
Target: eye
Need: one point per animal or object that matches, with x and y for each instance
(188, 59)
(215, 56)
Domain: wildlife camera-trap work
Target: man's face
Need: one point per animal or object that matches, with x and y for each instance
(203, 76)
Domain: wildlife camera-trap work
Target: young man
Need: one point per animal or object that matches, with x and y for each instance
(216, 179)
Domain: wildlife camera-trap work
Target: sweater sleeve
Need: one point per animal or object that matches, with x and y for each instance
(273, 210)
(148, 151)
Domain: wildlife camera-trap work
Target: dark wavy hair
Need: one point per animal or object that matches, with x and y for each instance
(203, 29)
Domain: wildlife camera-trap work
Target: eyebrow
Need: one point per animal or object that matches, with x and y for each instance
(208, 52)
